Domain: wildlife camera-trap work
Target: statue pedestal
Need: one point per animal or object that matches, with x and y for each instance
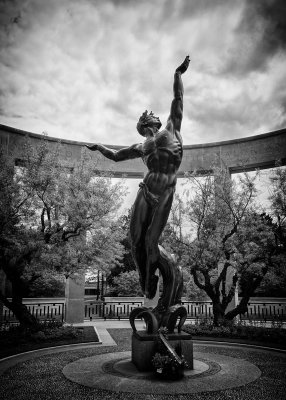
(144, 348)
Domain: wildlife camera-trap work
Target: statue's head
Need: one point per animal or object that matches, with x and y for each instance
(148, 120)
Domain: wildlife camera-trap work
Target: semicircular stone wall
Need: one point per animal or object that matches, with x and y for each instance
(260, 151)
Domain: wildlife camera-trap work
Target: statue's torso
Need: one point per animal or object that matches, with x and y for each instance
(163, 155)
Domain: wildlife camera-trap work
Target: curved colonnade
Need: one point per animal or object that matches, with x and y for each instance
(246, 154)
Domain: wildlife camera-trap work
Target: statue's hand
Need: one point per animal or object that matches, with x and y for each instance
(184, 66)
(93, 147)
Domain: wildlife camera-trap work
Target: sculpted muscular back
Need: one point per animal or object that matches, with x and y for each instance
(162, 153)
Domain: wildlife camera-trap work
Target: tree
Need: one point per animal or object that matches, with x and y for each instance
(278, 203)
(191, 291)
(126, 263)
(47, 285)
(277, 280)
(173, 240)
(53, 218)
(18, 244)
(127, 284)
(228, 239)
(254, 256)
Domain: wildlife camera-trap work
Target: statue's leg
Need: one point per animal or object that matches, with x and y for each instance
(155, 229)
(140, 218)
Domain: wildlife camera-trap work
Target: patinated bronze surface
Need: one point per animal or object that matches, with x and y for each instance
(162, 152)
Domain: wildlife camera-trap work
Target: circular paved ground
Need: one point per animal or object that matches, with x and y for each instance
(115, 371)
(39, 376)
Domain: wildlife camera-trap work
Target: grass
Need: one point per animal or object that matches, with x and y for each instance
(18, 340)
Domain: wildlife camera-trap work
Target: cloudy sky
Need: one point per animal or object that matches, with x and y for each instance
(86, 70)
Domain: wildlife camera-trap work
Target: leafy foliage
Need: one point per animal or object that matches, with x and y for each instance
(126, 262)
(239, 330)
(47, 285)
(168, 363)
(278, 202)
(54, 219)
(127, 284)
(228, 243)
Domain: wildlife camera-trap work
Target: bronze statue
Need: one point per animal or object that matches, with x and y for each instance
(162, 152)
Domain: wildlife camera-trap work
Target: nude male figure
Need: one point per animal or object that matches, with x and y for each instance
(162, 152)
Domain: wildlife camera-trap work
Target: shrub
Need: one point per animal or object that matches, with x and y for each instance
(239, 331)
(166, 367)
(38, 336)
(46, 331)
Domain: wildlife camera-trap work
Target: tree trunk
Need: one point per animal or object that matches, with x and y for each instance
(252, 285)
(241, 308)
(21, 312)
(23, 315)
(218, 312)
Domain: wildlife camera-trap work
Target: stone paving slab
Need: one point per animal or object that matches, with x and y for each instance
(115, 372)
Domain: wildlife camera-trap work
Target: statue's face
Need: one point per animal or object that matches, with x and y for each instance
(148, 120)
(154, 121)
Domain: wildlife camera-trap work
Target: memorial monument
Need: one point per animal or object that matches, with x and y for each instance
(162, 153)
(237, 155)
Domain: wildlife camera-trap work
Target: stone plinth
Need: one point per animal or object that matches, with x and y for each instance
(74, 295)
(144, 348)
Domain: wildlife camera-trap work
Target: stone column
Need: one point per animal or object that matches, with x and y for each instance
(234, 302)
(74, 295)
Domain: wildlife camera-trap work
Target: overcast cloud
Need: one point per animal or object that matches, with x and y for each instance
(86, 70)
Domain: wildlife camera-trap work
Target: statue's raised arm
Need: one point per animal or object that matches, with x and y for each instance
(176, 114)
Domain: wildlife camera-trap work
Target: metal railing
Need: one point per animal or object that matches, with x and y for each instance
(195, 309)
(93, 309)
(198, 309)
(42, 311)
(265, 311)
(117, 310)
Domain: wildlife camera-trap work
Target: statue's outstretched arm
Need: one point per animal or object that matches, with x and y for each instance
(176, 114)
(126, 153)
